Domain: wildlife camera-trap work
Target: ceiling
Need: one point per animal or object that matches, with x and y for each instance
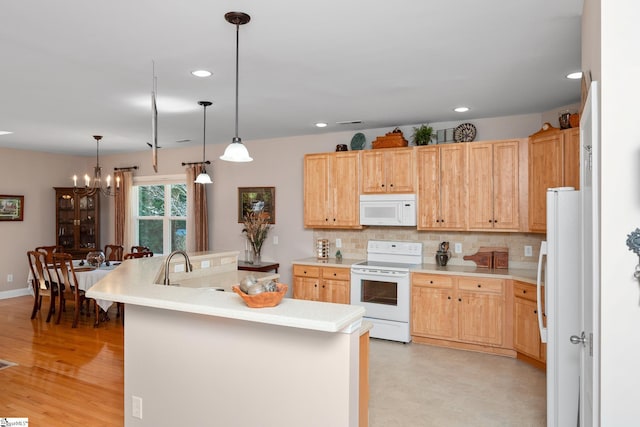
(75, 68)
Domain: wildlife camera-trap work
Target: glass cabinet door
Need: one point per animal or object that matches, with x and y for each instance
(77, 221)
(66, 220)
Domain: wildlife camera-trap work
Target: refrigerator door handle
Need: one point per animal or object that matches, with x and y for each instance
(543, 254)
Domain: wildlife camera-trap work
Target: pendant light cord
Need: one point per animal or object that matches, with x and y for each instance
(204, 134)
(237, 61)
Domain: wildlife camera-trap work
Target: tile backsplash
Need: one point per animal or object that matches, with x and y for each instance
(354, 243)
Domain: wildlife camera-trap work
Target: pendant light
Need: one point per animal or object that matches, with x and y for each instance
(236, 151)
(203, 177)
(92, 186)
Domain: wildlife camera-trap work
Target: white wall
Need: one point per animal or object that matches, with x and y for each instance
(620, 204)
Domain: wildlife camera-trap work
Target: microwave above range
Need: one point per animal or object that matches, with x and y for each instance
(388, 209)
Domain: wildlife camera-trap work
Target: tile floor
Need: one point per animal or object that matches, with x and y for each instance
(421, 385)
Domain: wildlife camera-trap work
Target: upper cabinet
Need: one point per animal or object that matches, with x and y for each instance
(388, 171)
(494, 186)
(331, 190)
(442, 190)
(77, 221)
(554, 161)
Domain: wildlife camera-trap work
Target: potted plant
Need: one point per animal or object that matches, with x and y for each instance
(256, 227)
(422, 135)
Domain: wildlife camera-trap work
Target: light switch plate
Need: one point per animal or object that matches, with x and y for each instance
(136, 407)
(458, 248)
(338, 243)
(528, 251)
(275, 240)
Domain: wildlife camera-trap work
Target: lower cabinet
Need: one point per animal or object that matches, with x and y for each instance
(465, 310)
(526, 334)
(327, 284)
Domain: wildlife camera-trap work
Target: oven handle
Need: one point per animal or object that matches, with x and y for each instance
(380, 273)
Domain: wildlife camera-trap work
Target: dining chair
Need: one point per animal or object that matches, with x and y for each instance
(140, 249)
(113, 252)
(144, 254)
(49, 251)
(42, 285)
(66, 274)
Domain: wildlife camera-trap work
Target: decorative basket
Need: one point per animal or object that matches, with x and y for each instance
(390, 140)
(265, 299)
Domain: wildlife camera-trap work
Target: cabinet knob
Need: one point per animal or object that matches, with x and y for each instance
(459, 299)
(334, 274)
(535, 311)
(391, 185)
(382, 185)
(449, 297)
(524, 291)
(479, 285)
(431, 281)
(490, 221)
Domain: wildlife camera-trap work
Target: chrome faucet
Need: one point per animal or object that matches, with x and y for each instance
(188, 266)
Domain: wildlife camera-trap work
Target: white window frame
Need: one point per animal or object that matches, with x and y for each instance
(166, 219)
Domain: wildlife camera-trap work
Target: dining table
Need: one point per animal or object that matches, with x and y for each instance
(87, 276)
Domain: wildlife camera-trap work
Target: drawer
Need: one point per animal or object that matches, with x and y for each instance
(480, 284)
(336, 273)
(306, 271)
(524, 290)
(431, 280)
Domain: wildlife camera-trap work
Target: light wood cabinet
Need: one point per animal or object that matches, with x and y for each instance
(327, 284)
(459, 309)
(77, 221)
(494, 186)
(554, 161)
(526, 334)
(442, 189)
(388, 171)
(331, 190)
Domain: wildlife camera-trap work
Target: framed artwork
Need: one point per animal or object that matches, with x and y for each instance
(255, 199)
(11, 208)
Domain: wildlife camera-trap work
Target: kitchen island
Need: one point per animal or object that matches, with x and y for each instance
(198, 356)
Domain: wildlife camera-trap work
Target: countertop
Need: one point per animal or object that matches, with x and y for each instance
(133, 283)
(523, 275)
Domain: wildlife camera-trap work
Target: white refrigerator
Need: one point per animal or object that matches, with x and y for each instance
(559, 277)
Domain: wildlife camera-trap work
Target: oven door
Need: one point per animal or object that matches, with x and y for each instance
(384, 295)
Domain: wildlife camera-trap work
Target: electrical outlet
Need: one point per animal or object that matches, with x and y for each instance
(9, 278)
(528, 251)
(136, 407)
(178, 268)
(458, 248)
(275, 240)
(205, 264)
(338, 243)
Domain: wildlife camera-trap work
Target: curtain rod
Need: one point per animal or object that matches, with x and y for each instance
(196, 163)
(126, 168)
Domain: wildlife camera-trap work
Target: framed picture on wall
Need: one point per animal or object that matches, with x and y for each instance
(11, 208)
(256, 199)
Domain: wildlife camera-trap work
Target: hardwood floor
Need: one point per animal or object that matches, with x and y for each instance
(65, 376)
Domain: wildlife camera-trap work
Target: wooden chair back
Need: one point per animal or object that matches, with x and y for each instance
(42, 286)
(139, 249)
(49, 251)
(66, 275)
(113, 252)
(133, 255)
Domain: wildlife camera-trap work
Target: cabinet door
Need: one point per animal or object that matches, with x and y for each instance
(66, 234)
(344, 186)
(545, 171)
(506, 185)
(453, 188)
(373, 172)
(571, 171)
(428, 165)
(526, 335)
(433, 312)
(88, 230)
(481, 186)
(480, 317)
(400, 170)
(306, 288)
(316, 199)
(336, 291)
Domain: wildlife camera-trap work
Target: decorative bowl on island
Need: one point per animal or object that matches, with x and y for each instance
(264, 299)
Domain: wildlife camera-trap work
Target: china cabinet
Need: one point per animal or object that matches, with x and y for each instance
(77, 221)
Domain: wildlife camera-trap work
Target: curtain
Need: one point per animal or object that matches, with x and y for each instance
(197, 215)
(122, 210)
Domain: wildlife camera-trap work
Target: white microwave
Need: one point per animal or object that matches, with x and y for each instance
(388, 209)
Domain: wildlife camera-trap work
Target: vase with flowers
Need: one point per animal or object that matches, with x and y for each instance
(256, 227)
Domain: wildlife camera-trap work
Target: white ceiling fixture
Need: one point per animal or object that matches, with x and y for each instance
(203, 177)
(461, 109)
(201, 73)
(321, 125)
(5, 132)
(575, 76)
(236, 151)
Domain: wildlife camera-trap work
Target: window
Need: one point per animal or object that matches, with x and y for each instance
(160, 215)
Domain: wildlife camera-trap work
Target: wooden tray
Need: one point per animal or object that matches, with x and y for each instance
(265, 299)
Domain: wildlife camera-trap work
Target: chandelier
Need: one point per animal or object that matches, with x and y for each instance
(95, 184)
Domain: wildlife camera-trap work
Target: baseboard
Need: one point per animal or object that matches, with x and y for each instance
(13, 293)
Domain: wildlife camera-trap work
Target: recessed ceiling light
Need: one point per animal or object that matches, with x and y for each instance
(461, 109)
(321, 125)
(575, 76)
(201, 73)
(5, 132)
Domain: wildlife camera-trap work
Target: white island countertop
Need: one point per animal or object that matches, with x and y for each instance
(133, 283)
